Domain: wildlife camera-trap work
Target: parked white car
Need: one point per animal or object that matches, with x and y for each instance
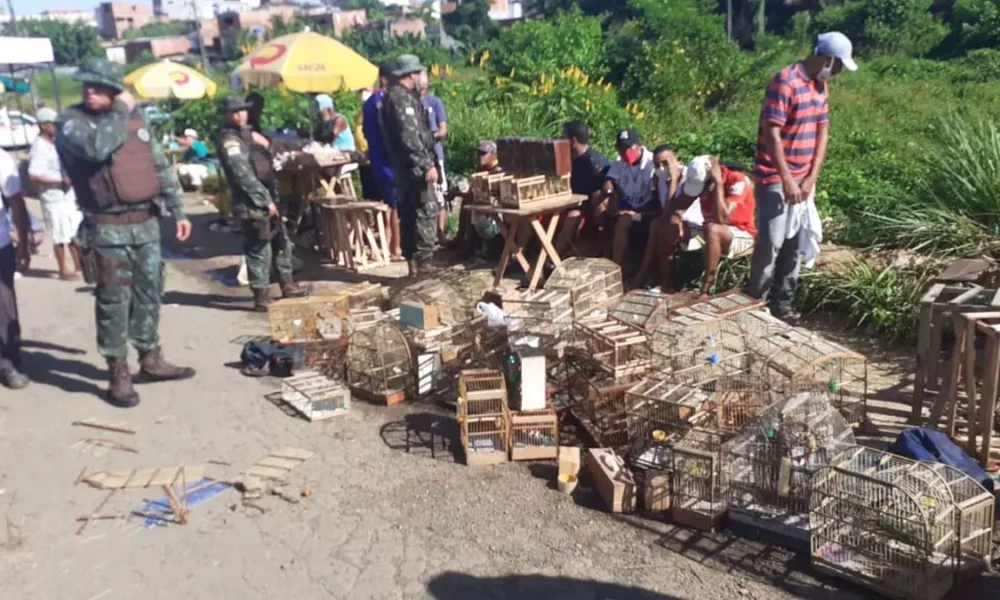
(17, 130)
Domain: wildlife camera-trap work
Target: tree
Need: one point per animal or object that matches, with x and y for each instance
(71, 42)
(470, 23)
(157, 30)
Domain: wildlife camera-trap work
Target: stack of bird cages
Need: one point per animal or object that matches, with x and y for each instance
(699, 493)
(976, 507)
(301, 319)
(699, 351)
(796, 360)
(593, 283)
(437, 293)
(470, 286)
(483, 416)
(597, 401)
(770, 462)
(545, 313)
(657, 402)
(379, 364)
(534, 435)
(363, 295)
(620, 349)
(644, 309)
(885, 522)
(737, 399)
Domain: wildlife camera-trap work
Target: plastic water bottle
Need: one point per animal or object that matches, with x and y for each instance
(833, 383)
(711, 351)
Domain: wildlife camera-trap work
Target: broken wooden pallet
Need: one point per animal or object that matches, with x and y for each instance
(277, 465)
(165, 478)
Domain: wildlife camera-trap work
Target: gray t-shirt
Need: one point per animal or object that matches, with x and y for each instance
(436, 114)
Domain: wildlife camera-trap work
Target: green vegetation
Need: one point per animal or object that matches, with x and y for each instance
(157, 30)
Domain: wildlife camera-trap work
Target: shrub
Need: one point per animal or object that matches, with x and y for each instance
(885, 26)
(534, 48)
(977, 23)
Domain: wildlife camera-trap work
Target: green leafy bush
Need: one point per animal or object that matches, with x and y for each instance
(885, 26)
(535, 48)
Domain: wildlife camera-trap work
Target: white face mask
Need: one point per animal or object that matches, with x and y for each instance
(826, 72)
(365, 95)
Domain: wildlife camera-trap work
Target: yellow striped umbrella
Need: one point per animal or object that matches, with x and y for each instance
(166, 79)
(307, 62)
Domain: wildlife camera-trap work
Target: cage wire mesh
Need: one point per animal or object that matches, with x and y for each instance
(597, 401)
(620, 349)
(593, 283)
(976, 507)
(451, 306)
(699, 490)
(545, 313)
(770, 462)
(796, 360)
(885, 522)
(696, 351)
(379, 360)
(644, 309)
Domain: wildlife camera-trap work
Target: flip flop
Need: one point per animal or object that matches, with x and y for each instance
(397, 259)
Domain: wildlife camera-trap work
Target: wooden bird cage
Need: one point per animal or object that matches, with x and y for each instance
(299, 319)
(769, 463)
(359, 319)
(534, 435)
(887, 523)
(483, 417)
(481, 392)
(796, 360)
(485, 439)
(593, 283)
(315, 396)
(721, 306)
(697, 351)
(699, 494)
(658, 403)
(651, 446)
(597, 401)
(545, 313)
(471, 287)
(645, 310)
(379, 364)
(328, 357)
(737, 399)
(451, 306)
(620, 349)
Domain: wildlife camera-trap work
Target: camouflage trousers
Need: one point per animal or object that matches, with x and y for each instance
(418, 220)
(267, 249)
(129, 289)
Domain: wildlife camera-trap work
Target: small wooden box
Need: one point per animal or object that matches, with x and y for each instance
(421, 316)
(612, 480)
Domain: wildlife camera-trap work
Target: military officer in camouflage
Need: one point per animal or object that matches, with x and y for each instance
(123, 183)
(247, 164)
(411, 152)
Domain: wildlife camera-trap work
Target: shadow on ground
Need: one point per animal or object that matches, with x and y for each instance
(43, 364)
(424, 434)
(459, 586)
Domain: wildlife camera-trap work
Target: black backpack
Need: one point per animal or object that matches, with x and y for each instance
(264, 357)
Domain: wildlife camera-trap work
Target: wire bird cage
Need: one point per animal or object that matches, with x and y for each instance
(593, 283)
(698, 351)
(379, 364)
(768, 465)
(315, 396)
(620, 349)
(301, 319)
(888, 523)
(976, 507)
(722, 306)
(546, 313)
(795, 360)
(471, 287)
(645, 310)
(483, 417)
(534, 435)
(597, 400)
(325, 356)
(699, 494)
(451, 307)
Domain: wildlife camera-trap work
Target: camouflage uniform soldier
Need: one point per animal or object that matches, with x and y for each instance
(411, 151)
(247, 165)
(123, 183)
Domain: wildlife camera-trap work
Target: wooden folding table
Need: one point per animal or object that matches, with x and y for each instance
(511, 224)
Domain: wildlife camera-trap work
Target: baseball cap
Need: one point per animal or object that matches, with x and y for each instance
(837, 45)
(626, 139)
(46, 115)
(191, 133)
(324, 102)
(696, 175)
(487, 147)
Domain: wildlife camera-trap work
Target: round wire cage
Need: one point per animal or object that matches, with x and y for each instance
(593, 283)
(887, 523)
(471, 286)
(769, 463)
(379, 362)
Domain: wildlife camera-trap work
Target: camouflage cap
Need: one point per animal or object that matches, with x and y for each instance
(406, 64)
(101, 71)
(229, 104)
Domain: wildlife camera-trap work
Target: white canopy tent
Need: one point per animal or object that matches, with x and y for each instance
(23, 53)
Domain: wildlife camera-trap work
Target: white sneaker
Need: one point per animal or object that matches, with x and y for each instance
(243, 277)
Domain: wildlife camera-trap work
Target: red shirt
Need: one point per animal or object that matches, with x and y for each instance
(797, 104)
(738, 191)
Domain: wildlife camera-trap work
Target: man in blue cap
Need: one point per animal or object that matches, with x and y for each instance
(792, 139)
(333, 127)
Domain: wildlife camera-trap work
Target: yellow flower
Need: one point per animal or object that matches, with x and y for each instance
(454, 94)
(641, 116)
(607, 87)
(588, 105)
(513, 71)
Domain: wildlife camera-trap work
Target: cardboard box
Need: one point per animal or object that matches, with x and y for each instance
(420, 316)
(612, 480)
(533, 380)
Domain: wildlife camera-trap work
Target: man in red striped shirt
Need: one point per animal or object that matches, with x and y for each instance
(791, 146)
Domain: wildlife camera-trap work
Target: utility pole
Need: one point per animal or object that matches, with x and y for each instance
(13, 19)
(729, 20)
(201, 41)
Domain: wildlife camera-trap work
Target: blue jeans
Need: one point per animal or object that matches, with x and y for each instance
(775, 264)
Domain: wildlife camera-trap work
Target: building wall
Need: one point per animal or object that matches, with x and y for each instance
(505, 10)
(67, 16)
(184, 10)
(405, 25)
(337, 20)
(113, 18)
(164, 47)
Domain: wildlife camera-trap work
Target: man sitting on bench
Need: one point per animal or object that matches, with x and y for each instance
(725, 223)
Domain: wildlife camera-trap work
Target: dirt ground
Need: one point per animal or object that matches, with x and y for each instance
(384, 520)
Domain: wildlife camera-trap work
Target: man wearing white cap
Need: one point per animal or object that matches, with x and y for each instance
(726, 206)
(195, 164)
(791, 146)
(59, 210)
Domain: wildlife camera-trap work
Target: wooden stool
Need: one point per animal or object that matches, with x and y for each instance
(350, 228)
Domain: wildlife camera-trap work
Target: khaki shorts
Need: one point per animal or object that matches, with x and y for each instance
(741, 245)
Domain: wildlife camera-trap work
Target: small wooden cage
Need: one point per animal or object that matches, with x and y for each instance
(769, 463)
(699, 493)
(534, 435)
(597, 400)
(620, 349)
(796, 360)
(299, 319)
(656, 402)
(645, 310)
(593, 283)
(652, 448)
(887, 523)
(697, 351)
(485, 439)
(546, 313)
(328, 357)
(481, 392)
(379, 364)
(737, 399)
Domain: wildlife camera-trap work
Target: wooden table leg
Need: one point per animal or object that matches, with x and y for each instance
(987, 407)
(510, 247)
(923, 343)
(548, 250)
(384, 243)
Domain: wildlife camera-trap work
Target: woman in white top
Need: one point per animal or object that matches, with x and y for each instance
(62, 215)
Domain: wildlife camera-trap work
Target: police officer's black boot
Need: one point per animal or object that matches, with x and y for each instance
(153, 367)
(261, 299)
(290, 289)
(120, 390)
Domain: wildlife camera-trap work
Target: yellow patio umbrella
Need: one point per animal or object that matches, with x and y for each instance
(167, 79)
(307, 62)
